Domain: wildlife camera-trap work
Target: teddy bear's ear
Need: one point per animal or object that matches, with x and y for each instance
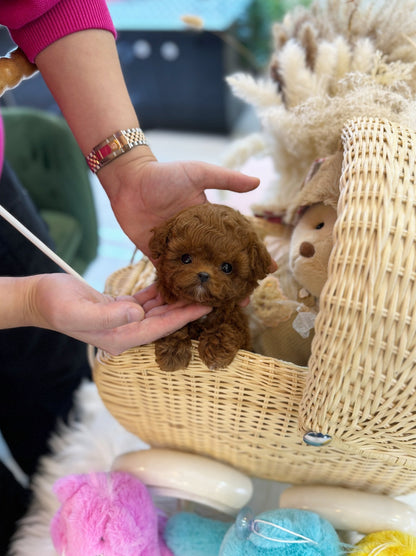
(322, 185)
(160, 239)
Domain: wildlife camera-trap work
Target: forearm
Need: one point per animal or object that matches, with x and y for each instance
(83, 72)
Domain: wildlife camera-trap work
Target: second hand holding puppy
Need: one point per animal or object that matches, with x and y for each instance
(112, 324)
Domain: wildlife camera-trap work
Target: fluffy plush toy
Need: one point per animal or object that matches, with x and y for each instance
(386, 543)
(189, 534)
(310, 247)
(106, 514)
(284, 306)
(209, 254)
(281, 532)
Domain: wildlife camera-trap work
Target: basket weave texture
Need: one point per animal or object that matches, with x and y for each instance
(360, 384)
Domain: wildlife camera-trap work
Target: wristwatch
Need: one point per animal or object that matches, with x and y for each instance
(117, 144)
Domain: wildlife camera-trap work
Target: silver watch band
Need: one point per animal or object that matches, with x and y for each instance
(117, 144)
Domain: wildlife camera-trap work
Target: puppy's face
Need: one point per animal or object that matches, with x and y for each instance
(208, 254)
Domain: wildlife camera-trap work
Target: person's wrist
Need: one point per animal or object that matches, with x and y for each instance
(124, 169)
(28, 286)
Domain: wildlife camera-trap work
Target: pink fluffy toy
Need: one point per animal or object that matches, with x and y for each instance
(106, 514)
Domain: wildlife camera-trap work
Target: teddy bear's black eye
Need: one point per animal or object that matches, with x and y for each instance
(320, 226)
(227, 268)
(186, 259)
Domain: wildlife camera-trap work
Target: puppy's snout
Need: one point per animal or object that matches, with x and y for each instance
(306, 249)
(203, 277)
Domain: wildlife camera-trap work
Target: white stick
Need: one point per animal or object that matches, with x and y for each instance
(39, 244)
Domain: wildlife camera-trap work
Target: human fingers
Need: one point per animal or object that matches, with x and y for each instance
(158, 325)
(211, 176)
(146, 294)
(166, 307)
(148, 330)
(244, 302)
(105, 315)
(149, 297)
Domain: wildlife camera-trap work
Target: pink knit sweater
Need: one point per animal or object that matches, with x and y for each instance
(35, 24)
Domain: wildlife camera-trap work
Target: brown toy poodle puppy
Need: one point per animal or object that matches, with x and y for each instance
(208, 254)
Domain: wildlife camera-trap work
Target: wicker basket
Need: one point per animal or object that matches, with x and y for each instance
(360, 385)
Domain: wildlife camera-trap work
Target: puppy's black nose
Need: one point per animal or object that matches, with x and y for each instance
(203, 276)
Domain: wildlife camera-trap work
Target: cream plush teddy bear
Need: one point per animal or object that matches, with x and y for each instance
(284, 306)
(310, 247)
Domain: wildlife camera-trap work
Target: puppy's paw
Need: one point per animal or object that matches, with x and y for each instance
(172, 354)
(216, 353)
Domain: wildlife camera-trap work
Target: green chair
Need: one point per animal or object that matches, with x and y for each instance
(43, 153)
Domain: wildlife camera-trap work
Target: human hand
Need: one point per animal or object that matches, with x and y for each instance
(144, 192)
(63, 303)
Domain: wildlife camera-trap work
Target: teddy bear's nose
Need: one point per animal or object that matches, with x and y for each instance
(306, 249)
(203, 276)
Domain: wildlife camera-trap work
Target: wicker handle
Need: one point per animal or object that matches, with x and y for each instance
(14, 67)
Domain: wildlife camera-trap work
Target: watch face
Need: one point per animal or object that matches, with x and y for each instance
(107, 150)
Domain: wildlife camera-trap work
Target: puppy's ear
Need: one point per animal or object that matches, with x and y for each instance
(160, 239)
(260, 259)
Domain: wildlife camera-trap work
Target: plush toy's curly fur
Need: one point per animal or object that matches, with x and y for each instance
(208, 254)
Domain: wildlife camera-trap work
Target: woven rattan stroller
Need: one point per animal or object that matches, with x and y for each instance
(359, 388)
(360, 385)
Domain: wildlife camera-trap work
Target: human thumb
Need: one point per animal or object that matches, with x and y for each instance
(112, 315)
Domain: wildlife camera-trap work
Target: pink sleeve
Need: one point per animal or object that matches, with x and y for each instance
(35, 24)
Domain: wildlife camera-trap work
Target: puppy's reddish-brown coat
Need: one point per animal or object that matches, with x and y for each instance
(208, 254)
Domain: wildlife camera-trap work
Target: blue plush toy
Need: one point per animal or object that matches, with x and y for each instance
(282, 532)
(189, 534)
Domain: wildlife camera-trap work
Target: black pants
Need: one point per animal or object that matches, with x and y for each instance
(39, 369)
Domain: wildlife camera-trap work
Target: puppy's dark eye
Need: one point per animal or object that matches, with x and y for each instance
(186, 259)
(227, 268)
(320, 226)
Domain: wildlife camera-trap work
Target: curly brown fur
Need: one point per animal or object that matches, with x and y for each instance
(209, 254)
